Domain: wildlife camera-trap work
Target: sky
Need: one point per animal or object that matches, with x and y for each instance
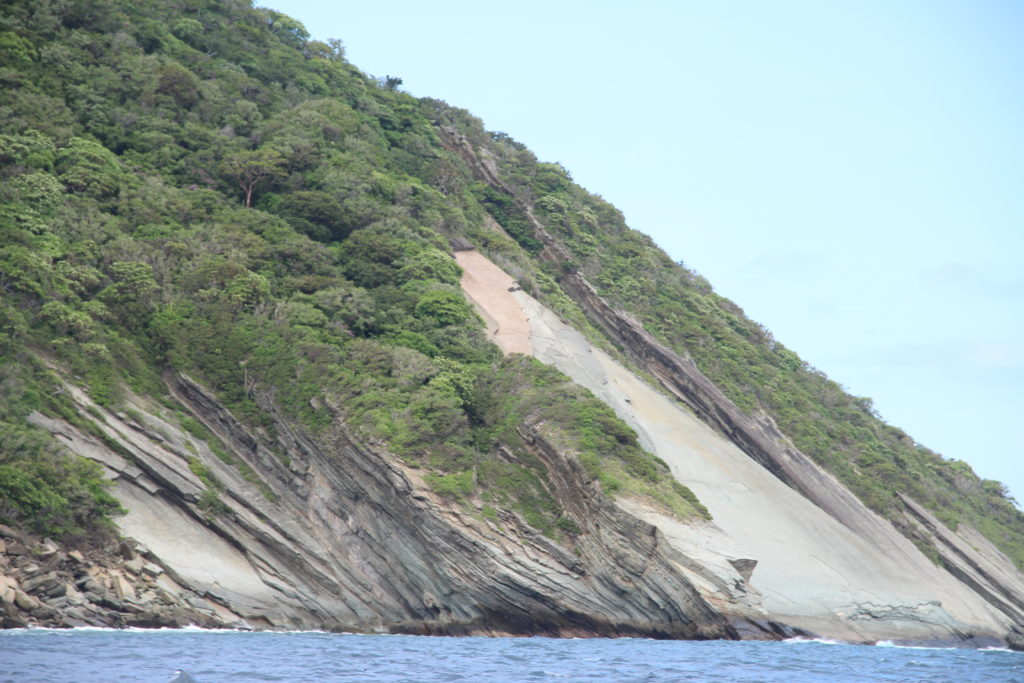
(849, 173)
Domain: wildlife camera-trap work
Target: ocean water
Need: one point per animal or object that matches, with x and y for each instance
(88, 655)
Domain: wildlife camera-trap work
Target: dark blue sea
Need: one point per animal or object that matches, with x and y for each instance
(106, 656)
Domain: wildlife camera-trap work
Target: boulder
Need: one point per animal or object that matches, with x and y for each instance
(25, 601)
(44, 584)
(123, 588)
(73, 596)
(126, 548)
(150, 619)
(91, 584)
(68, 621)
(57, 603)
(43, 612)
(151, 569)
(45, 550)
(108, 601)
(12, 621)
(130, 607)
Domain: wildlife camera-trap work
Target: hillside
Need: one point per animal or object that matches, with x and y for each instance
(236, 294)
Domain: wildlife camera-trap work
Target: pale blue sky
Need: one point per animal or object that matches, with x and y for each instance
(850, 173)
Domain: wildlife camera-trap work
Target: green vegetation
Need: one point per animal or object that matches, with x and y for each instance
(199, 187)
(204, 189)
(841, 432)
(42, 487)
(521, 392)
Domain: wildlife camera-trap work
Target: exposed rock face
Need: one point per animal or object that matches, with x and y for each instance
(826, 562)
(42, 585)
(813, 571)
(354, 541)
(331, 533)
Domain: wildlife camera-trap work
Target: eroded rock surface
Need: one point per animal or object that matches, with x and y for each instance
(835, 569)
(42, 584)
(333, 534)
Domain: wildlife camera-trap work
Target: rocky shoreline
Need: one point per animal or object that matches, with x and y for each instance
(44, 585)
(121, 585)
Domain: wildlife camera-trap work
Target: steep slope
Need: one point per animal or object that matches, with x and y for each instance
(352, 540)
(852, 577)
(232, 328)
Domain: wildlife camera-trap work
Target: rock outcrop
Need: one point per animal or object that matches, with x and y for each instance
(42, 584)
(329, 533)
(825, 561)
(281, 528)
(770, 552)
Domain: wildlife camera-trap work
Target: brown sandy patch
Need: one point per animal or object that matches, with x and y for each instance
(490, 289)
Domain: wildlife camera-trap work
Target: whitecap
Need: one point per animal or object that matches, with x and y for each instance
(821, 641)
(889, 643)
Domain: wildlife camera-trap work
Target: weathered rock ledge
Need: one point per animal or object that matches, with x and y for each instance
(337, 535)
(43, 585)
(978, 595)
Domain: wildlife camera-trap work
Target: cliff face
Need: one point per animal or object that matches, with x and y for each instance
(329, 533)
(290, 530)
(824, 561)
(344, 537)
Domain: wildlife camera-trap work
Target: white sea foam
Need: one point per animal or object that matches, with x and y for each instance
(820, 641)
(889, 643)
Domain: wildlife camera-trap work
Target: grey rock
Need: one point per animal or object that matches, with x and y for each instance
(12, 621)
(31, 569)
(90, 584)
(127, 550)
(44, 584)
(44, 551)
(153, 570)
(123, 588)
(744, 567)
(42, 611)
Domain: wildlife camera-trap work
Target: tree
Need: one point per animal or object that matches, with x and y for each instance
(88, 167)
(252, 167)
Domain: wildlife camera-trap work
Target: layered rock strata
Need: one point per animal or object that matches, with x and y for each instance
(328, 533)
(836, 570)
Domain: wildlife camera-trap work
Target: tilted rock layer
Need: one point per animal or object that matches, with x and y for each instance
(345, 537)
(824, 563)
(330, 533)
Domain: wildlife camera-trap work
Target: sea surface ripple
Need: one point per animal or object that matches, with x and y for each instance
(99, 655)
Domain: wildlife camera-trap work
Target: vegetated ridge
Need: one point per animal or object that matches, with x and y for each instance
(228, 288)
